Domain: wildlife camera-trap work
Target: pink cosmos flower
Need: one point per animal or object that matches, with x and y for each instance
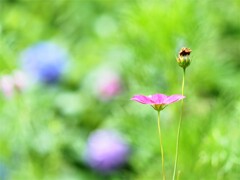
(108, 84)
(157, 101)
(7, 85)
(10, 83)
(20, 80)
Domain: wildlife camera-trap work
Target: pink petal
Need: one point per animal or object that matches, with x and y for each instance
(173, 98)
(142, 99)
(158, 98)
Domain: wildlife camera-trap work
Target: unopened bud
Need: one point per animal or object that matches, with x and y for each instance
(183, 58)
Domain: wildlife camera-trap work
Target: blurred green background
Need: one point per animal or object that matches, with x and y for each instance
(44, 129)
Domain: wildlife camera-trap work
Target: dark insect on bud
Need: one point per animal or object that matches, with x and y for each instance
(183, 58)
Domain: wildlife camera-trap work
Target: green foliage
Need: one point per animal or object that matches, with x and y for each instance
(44, 130)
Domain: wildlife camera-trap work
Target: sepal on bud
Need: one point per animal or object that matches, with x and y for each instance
(183, 58)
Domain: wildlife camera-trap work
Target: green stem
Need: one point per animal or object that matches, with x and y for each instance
(179, 172)
(161, 146)
(179, 129)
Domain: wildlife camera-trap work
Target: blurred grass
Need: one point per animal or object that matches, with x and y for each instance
(43, 131)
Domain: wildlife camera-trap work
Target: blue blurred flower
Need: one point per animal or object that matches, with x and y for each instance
(44, 61)
(106, 151)
(4, 174)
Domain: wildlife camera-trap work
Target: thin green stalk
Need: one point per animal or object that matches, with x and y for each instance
(179, 172)
(161, 146)
(179, 128)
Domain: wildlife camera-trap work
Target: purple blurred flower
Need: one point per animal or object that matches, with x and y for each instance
(108, 84)
(44, 61)
(106, 150)
(157, 101)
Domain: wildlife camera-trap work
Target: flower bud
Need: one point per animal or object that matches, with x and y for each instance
(183, 58)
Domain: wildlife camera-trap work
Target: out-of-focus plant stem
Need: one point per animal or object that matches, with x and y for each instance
(161, 146)
(179, 128)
